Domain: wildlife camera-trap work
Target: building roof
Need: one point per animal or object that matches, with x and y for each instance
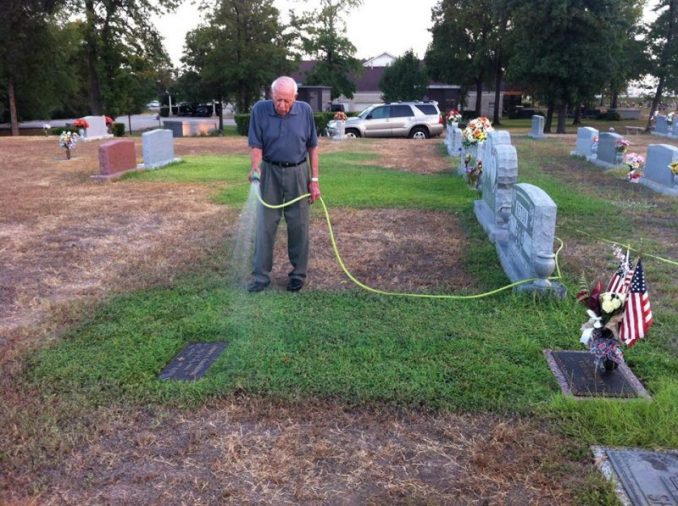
(368, 80)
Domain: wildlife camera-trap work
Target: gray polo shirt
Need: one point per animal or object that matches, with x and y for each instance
(282, 138)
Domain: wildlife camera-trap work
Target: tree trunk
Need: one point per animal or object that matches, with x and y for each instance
(577, 115)
(562, 117)
(663, 63)
(497, 95)
(95, 102)
(549, 118)
(614, 101)
(479, 96)
(14, 121)
(129, 122)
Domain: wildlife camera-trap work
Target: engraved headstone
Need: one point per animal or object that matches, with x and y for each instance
(157, 148)
(97, 128)
(661, 125)
(578, 375)
(657, 174)
(586, 146)
(607, 156)
(474, 151)
(537, 130)
(453, 140)
(340, 133)
(649, 478)
(193, 361)
(499, 176)
(528, 252)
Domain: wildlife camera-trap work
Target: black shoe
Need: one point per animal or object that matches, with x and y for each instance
(257, 286)
(294, 284)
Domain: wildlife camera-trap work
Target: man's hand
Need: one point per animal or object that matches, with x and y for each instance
(254, 174)
(314, 190)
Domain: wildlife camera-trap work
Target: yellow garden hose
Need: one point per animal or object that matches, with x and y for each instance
(340, 261)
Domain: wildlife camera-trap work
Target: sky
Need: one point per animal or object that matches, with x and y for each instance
(377, 26)
(401, 25)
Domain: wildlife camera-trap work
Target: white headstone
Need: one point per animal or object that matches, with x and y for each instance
(528, 252)
(661, 125)
(537, 131)
(97, 128)
(657, 174)
(586, 146)
(608, 156)
(157, 148)
(497, 181)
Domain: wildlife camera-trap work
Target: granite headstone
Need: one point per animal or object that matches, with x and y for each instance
(661, 125)
(537, 130)
(157, 148)
(97, 128)
(528, 251)
(657, 174)
(586, 146)
(607, 156)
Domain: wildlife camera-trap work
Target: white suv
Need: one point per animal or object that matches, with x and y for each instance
(416, 120)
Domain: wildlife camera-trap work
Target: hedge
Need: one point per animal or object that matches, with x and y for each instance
(242, 122)
(118, 129)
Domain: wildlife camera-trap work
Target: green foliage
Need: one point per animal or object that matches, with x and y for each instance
(321, 119)
(242, 123)
(322, 38)
(118, 129)
(238, 52)
(406, 79)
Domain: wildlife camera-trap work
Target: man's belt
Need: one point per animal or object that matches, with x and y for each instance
(284, 164)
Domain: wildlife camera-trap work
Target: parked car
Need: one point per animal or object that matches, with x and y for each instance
(416, 120)
(184, 109)
(203, 110)
(524, 112)
(153, 104)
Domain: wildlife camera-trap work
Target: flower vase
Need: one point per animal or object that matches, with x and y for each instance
(81, 132)
(619, 157)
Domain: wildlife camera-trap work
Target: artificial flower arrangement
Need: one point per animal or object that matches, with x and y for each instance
(68, 141)
(674, 167)
(453, 116)
(340, 116)
(619, 314)
(108, 120)
(473, 173)
(81, 123)
(669, 117)
(622, 145)
(46, 128)
(476, 131)
(635, 163)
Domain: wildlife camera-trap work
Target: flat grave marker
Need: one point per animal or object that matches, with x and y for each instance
(578, 376)
(193, 361)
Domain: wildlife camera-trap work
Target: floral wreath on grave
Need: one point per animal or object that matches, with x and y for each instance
(476, 131)
(669, 117)
(635, 163)
(622, 145)
(81, 123)
(619, 315)
(108, 120)
(453, 116)
(473, 172)
(340, 116)
(674, 167)
(68, 141)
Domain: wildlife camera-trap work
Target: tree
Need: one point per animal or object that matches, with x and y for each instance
(28, 45)
(562, 50)
(463, 49)
(406, 79)
(663, 43)
(322, 39)
(115, 32)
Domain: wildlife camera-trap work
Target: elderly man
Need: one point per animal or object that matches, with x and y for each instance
(283, 142)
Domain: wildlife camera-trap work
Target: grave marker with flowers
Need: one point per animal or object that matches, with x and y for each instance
(660, 172)
(611, 147)
(634, 162)
(68, 140)
(473, 136)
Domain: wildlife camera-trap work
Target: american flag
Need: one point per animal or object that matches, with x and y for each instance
(621, 278)
(638, 314)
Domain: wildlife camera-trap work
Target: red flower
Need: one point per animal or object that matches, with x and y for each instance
(81, 123)
(109, 120)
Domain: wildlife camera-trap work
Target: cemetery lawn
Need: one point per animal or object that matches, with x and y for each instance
(333, 391)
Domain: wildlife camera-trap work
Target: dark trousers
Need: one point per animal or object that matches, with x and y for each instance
(279, 185)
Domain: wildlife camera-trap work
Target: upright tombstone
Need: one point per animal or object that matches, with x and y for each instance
(97, 128)
(499, 176)
(661, 126)
(607, 156)
(157, 148)
(115, 159)
(528, 252)
(183, 128)
(657, 174)
(453, 140)
(587, 139)
(537, 131)
(340, 133)
(494, 138)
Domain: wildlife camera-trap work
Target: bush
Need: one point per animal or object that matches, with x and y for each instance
(118, 129)
(609, 116)
(321, 119)
(242, 123)
(164, 111)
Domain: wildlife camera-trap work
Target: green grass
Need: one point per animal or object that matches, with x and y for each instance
(471, 355)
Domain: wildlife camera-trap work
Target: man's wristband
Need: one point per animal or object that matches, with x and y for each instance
(314, 180)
